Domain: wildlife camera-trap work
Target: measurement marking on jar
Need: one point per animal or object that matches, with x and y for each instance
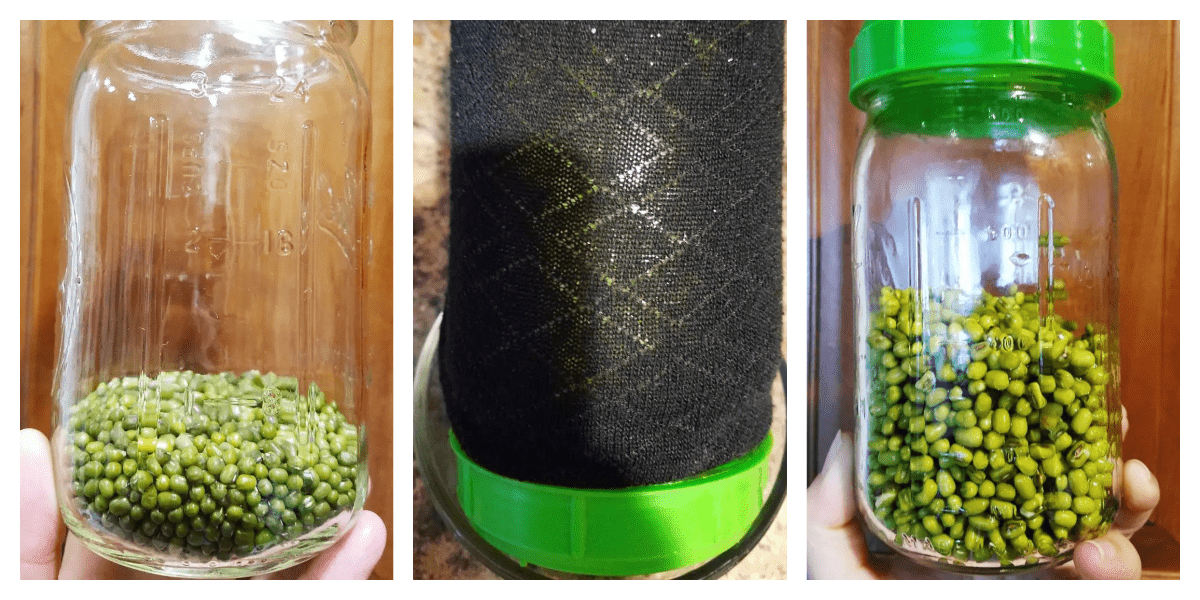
(1008, 342)
(201, 80)
(1008, 232)
(916, 543)
(1006, 114)
(299, 91)
(190, 168)
(1020, 259)
(270, 402)
(272, 242)
(277, 166)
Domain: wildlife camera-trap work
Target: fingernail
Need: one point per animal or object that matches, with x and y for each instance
(1146, 475)
(834, 450)
(1104, 548)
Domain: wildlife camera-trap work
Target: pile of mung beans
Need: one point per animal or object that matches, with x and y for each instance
(210, 466)
(989, 431)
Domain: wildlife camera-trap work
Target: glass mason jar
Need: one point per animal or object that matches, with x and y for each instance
(984, 226)
(209, 390)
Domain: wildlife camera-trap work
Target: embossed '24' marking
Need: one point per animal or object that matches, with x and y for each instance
(279, 92)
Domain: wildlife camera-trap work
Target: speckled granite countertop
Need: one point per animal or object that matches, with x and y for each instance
(436, 554)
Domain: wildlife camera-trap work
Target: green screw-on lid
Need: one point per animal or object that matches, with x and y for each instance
(885, 49)
(631, 531)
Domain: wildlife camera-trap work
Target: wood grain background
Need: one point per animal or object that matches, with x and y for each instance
(1144, 127)
(49, 51)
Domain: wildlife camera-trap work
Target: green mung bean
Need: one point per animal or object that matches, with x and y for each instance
(990, 440)
(208, 479)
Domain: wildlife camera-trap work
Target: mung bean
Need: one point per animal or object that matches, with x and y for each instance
(990, 440)
(209, 479)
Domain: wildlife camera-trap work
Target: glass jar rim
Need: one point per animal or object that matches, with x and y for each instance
(971, 103)
(347, 30)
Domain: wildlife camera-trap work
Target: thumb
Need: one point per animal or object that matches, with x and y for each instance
(836, 547)
(355, 555)
(40, 526)
(1109, 557)
(831, 495)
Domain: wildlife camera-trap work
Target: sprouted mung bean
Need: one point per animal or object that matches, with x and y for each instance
(989, 432)
(214, 466)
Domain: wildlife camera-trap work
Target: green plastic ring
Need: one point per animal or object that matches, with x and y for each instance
(630, 531)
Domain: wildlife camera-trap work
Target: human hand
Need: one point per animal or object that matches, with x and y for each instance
(837, 548)
(352, 557)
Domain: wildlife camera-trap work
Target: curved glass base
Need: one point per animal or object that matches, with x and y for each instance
(437, 463)
(920, 552)
(164, 563)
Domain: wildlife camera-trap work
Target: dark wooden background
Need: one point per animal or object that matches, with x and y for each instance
(49, 50)
(1145, 131)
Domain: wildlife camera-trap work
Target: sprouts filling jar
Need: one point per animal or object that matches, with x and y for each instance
(985, 287)
(209, 388)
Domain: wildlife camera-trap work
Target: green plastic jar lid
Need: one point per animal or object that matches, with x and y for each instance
(631, 531)
(1082, 50)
